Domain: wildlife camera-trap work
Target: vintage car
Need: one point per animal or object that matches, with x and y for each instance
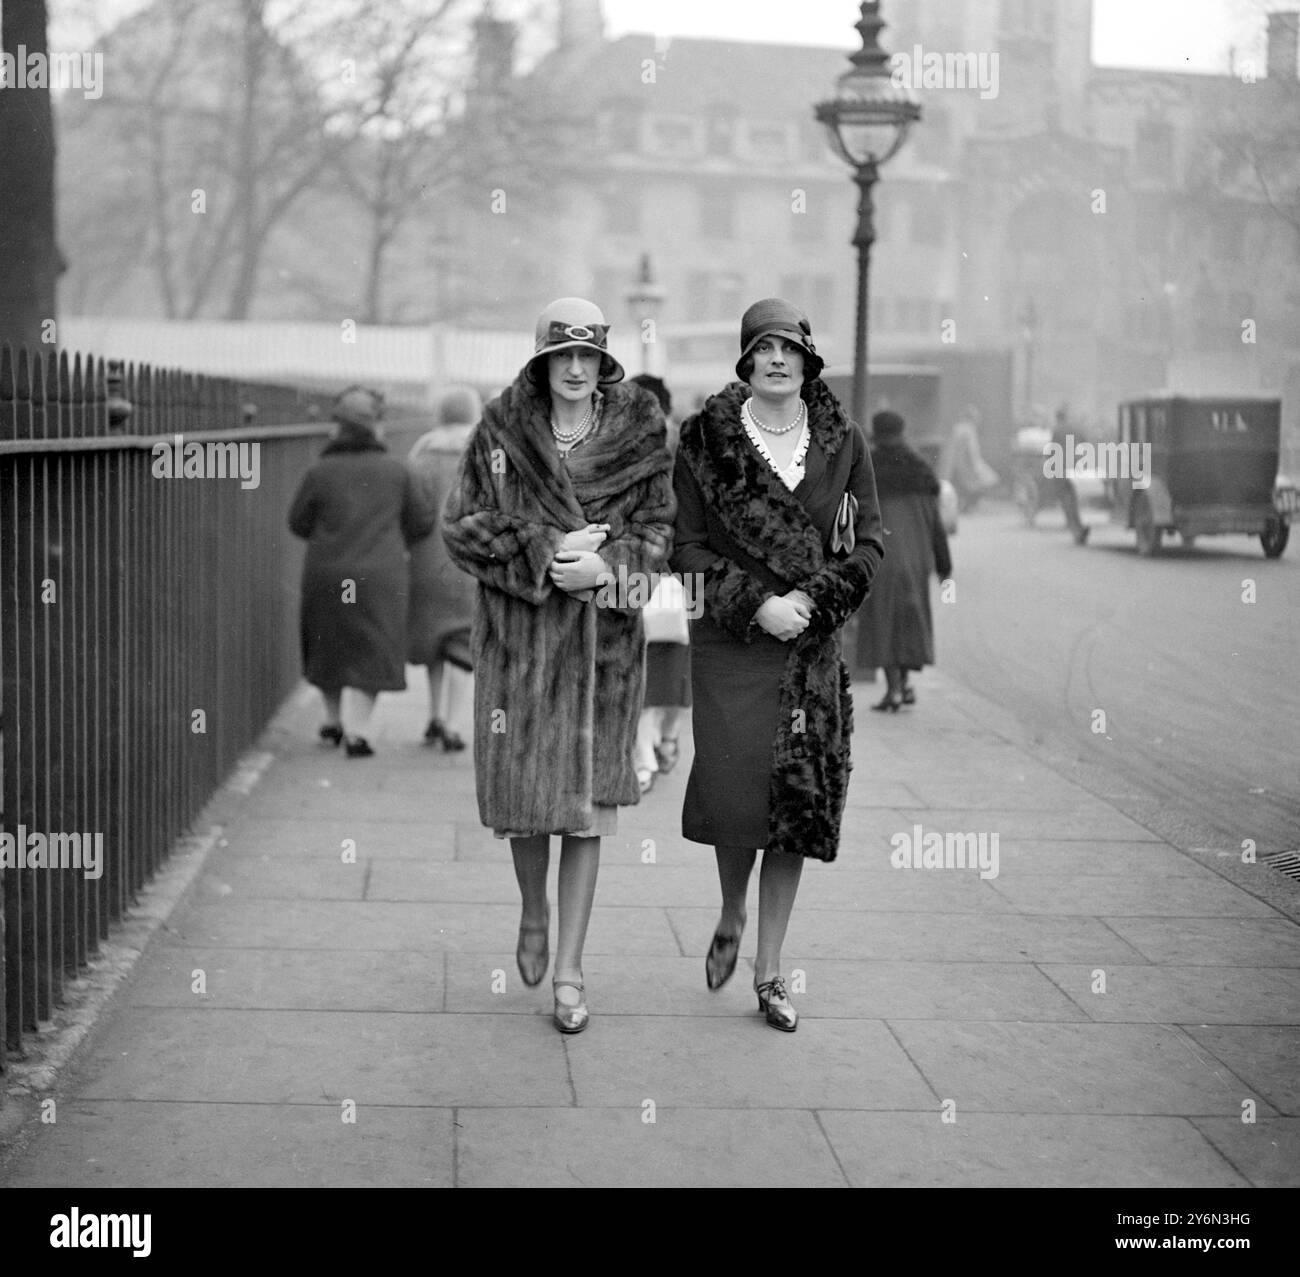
(1201, 466)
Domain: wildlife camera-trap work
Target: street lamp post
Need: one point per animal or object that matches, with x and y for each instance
(644, 300)
(867, 121)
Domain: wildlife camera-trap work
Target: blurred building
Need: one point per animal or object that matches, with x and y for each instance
(1085, 229)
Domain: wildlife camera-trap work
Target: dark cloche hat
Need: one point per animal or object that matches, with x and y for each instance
(774, 317)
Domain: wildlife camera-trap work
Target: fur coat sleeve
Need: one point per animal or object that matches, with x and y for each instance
(731, 593)
(508, 550)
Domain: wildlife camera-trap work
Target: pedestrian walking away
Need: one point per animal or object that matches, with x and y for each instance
(777, 509)
(1063, 487)
(667, 652)
(442, 596)
(358, 509)
(565, 481)
(895, 627)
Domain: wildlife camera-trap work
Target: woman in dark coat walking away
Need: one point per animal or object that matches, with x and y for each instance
(777, 510)
(895, 630)
(442, 596)
(564, 481)
(358, 509)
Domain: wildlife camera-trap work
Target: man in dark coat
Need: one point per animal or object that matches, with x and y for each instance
(358, 509)
(896, 631)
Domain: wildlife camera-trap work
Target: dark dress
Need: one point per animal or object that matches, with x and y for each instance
(358, 509)
(895, 625)
(442, 596)
(737, 685)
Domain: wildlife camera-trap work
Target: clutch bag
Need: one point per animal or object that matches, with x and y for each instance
(843, 534)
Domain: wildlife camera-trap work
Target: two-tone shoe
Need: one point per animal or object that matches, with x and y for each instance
(570, 1019)
(774, 1002)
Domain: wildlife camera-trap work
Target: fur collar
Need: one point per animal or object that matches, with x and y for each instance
(763, 516)
(628, 449)
(902, 472)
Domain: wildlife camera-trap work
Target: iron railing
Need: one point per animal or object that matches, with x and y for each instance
(147, 632)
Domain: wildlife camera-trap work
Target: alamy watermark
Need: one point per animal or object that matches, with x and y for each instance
(211, 459)
(37, 70)
(952, 850)
(37, 850)
(1086, 460)
(628, 591)
(923, 69)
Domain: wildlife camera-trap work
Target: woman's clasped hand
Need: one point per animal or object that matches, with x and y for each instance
(576, 565)
(785, 616)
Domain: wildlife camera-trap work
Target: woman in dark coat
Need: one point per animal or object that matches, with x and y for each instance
(358, 509)
(895, 630)
(776, 507)
(565, 480)
(442, 596)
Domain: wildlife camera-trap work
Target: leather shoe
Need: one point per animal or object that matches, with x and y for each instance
(570, 1019)
(775, 1004)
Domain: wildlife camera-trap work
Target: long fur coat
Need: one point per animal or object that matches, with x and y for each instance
(558, 682)
(756, 538)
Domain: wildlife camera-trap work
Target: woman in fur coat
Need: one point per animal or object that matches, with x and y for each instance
(895, 630)
(564, 482)
(776, 507)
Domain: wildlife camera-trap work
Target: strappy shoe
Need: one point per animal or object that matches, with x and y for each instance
(720, 962)
(570, 1019)
(331, 735)
(358, 747)
(889, 705)
(775, 1004)
(532, 966)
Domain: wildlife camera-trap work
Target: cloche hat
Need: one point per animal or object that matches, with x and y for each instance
(775, 317)
(573, 322)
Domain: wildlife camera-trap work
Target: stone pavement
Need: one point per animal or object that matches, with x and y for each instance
(953, 1029)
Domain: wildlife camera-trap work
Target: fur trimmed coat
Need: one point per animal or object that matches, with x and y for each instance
(558, 681)
(786, 731)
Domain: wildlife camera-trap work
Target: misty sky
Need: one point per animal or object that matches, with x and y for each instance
(1188, 35)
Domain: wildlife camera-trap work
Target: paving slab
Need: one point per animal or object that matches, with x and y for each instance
(314, 1057)
(619, 1148)
(1263, 1056)
(731, 1063)
(1266, 1152)
(1150, 1070)
(1235, 942)
(254, 837)
(133, 1144)
(403, 925)
(1113, 895)
(928, 937)
(294, 979)
(1010, 1150)
(1184, 995)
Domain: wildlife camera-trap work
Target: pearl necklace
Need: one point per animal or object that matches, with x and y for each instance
(568, 439)
(774, 430)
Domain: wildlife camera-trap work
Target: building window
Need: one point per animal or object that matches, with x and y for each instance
(717, 214)
(927, 221)
(674, 135)
(769, 142)
(624, 125)
(720, 129)
(1153, 153)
